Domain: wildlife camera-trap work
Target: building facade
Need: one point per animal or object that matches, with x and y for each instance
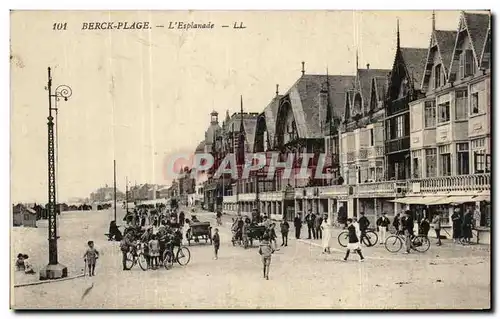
(415, 135)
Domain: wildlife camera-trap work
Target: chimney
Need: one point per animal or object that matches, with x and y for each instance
(322, 107)
(368, 66)
(303, 68)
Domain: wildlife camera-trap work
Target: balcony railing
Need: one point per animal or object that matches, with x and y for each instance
(333, 190)
(445, 184)
(351, 156)
(271, 196)
(363, 154)
(398, 105)
(398, 145)
(248, 197)
(329, 158)
(390, 188)
(375, 151)
(229, 199)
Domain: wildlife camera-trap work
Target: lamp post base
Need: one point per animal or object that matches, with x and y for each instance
(56, 271)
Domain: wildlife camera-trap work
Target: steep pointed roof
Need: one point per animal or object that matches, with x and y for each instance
(380, 85)
(486, 48)
(414, 60)
(201, 147)
(270, 113)
(304, 97)
(212, 131)
(446, 42)
(250, 127)
(364, 81)
(477, 25)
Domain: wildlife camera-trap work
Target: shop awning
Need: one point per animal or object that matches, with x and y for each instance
(417, 200)
(482, 198)
(454, 200)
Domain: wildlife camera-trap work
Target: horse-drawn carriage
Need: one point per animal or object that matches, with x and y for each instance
(199, 230)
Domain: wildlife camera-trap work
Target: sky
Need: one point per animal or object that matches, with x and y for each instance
(141, 96)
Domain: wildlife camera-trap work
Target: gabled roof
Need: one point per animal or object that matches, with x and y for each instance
(201, 147)
(444, 40)
(270, 113)
(446, 43)
(477, 25)
(487, 45)
(250, 127)
(414, 60)
(364, 82)
(212, 131)
(380, 85)
(304, 97)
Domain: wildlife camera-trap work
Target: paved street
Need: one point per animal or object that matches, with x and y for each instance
(445, 277)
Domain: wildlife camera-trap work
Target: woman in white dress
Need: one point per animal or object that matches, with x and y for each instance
(327, 236)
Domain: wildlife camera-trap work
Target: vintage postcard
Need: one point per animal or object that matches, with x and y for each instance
(250, 159)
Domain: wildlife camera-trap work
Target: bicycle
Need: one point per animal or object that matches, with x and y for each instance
(419, 243)
(136, 256)
(369, 238)
(182, 256)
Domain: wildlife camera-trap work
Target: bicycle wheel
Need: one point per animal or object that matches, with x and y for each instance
(168, 260)
(183, 256)
(370, 239)
(129, 262)
(143, 263)
(343, 238)
(421, 244)
(393, 244)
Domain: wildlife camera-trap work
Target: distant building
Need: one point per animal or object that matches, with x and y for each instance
(24, 216)
(105, 194)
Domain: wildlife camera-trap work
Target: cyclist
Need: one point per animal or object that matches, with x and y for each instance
(125, 246)
(407, 223)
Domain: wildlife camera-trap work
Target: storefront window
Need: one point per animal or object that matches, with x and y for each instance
(485, 211)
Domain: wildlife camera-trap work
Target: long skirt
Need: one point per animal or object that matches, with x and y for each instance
(327, 238)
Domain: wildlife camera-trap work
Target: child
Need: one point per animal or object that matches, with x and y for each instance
(20, 262)
(27, 265)
(266, 251)
(90, 257)
(216, 241)
(154, 251)
(353, 240)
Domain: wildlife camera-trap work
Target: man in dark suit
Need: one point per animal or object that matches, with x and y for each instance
(297, 222)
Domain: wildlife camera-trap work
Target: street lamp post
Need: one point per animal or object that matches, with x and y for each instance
(53, 270)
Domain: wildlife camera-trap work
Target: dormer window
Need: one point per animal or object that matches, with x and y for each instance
(403, 90)
(437, 76)
(466, 65)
